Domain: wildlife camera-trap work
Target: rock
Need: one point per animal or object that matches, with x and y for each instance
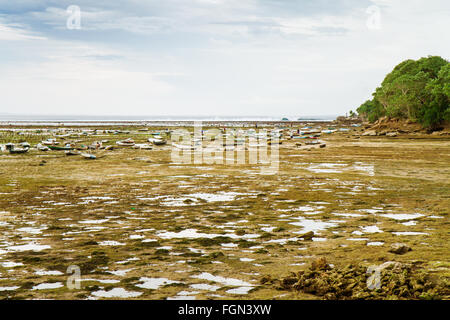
(323, 145)
(399, 248)
(370, 133)
(320, 264)
(307, 236)
(391, 134)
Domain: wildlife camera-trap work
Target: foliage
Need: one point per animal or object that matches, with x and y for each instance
(418, 90)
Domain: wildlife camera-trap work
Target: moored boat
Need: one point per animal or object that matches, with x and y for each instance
(126, 143)
(88, 156)
(13, 150)
(72, 153)
(58, 148)
(157, 141)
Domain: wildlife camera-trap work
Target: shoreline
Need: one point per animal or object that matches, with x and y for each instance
(155, 123)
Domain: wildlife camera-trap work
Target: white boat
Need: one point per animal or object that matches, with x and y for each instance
(126, 143)
(88, 156)
(40, 147)
(157, 141)
(50, 142)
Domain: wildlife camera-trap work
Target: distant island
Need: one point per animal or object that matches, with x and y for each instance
(416, 90)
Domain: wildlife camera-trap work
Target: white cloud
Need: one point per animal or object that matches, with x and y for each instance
(15, 33)
(211, 56)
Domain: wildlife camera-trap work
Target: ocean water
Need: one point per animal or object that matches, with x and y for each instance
(92, 119)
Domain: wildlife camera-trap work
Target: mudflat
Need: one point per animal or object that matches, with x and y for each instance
(139, 226)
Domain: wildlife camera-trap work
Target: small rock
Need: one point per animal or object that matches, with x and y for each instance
(399, 248)
(391, 134)
(370, 133)
(307, 236)
(323, 145)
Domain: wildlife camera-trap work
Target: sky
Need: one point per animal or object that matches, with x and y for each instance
(208, 57)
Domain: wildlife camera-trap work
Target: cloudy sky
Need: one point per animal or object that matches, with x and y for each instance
(208, 57)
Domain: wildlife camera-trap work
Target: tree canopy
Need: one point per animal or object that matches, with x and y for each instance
(418, 90)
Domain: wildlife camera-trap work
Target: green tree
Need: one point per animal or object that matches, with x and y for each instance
(416, 90)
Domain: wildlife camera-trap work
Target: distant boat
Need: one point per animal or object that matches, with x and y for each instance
(126, 143)
(60, 148)
(82, 147)
(19, 151)
(40, 147)
(13, 150)
(312, 142)
(72, 153)
(50, 142)
(88, 156)
(142, 146)
(157, 141)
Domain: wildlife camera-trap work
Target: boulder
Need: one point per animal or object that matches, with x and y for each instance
(399, 248)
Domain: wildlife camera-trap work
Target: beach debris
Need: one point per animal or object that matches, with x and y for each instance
(399, 248)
